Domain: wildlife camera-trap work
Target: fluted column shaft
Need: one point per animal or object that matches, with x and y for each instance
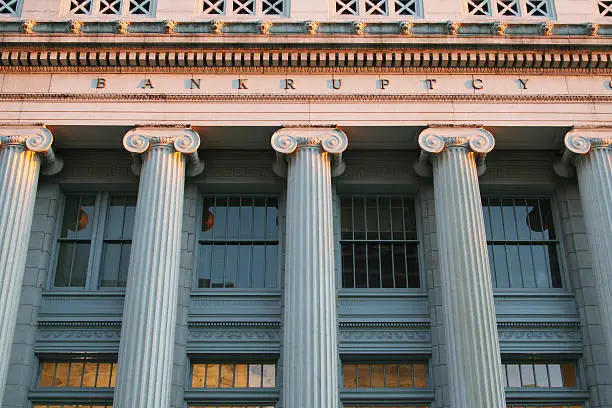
(20, 164)
(590, 150)
(475, 371)
(149, 316)
(310, 345)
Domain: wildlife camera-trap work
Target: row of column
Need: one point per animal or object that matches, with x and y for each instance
(308, 157)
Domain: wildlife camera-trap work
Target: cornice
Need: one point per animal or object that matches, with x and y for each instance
(19, 58)
(357, 98)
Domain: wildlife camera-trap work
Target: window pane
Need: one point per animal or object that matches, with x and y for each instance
(197, 376)
(350, 375)
(212, 375)
(513, 374)
(89, 375)
(61, 375)
(78, 217)
(363, 376)
(72, 264)
(405, 375)
(104, 373)
(569, 375)
(527, 376)
(47, 374)
(269, 375)
(76, 374)
(255, 375)
(227, 375)
(378, 375)
(420, 375)
(391, 376)
(241, 376)
(109, 269)
(554, 373)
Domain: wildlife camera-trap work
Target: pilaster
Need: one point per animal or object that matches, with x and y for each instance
(150, 313)
(22, 151)
(474, 364)
(310, 343)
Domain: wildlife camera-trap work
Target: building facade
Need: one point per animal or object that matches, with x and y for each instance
(305, 203)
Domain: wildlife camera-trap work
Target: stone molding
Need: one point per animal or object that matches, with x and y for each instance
(298, 60)
(579, 142)
(182, 139)
(37, 139)
(328, 139)
(434, 140)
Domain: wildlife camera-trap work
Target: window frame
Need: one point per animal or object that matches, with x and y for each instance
(419, 245)
(390, 14)
(228, 12)
(94, 263)
(495, 15)
(561, 254)
(95, 13)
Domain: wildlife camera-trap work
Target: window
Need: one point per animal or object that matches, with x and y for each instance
(95, 241)
(510, 8)
(522, 243)
(84, 371)
(239, 243)
(408, 8)
(385, 375)
(277, 8)
(230, 406)
(233, 375)
(56, 405)
(379, 242)
(604, 7)
(11, 8)
(541, 374)
(112, 7)
(385, 406)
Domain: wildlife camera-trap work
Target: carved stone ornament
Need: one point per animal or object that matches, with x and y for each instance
(182, 139)
(359, 27)
(216, 26)
(453, 27)
(264, 27)
(331, 140)
(75, 26)
(311, 27)
(36, 139)
(28, 26)
(592, 29)
(406, 27)
(547, 28)
(499, 27)
(434, 140)
(579, 142)
(122, 26)
(170, 26)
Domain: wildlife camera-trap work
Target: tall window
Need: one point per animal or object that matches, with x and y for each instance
(407, 8)
(239, 243)
(379, 242)
(511, 8)
(95, 240)
(112, 7)
(522, 243)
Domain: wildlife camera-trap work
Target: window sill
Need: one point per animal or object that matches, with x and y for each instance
(387, 395)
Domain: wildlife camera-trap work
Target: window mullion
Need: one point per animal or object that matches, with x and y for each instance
(97, 241)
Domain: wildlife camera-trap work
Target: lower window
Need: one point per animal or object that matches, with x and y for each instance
(545, 406)
(56, 405)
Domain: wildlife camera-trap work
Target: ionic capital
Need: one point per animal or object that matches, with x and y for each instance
(181, 139)
(434, 140)
(288, 140)
(579, 143)
(37, 139)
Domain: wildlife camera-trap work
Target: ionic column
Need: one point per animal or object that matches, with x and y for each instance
(475, 370)
(590, 151)
(149, 315)
(310, 345)
(22, 150)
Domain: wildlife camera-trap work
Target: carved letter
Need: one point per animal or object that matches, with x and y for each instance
(147, 84)
(336, 83)
(477, 84)
(242, 84)
(195, 83)
(101, 83)
(523, 82)
(384, 83)
(289, 84)
(430, 83)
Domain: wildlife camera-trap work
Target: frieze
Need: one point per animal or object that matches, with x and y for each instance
(540, 335)
(64, 334)
(233, 335)
(385, 335)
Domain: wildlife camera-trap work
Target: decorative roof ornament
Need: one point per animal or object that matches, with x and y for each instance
(500, 27)
(75, 26)
(28, 26)
(547, 28)
(592, 29)
(122, 26)
(216, 26)
(359, 27)
(453, 27)
(406, 27)
(264, 27)
(312, 26)
(170, 26)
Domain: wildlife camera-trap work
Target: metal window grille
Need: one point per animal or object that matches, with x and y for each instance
(604, 7)
(385, 375)
(522, 243)
(239, 243)
(9, 7)
(110, 7)
(407, 8)
(243, 7)
(273, 7)
(141, 7)
(379, 243)
(213, 7)
(541, 374)
(78, 372)
(233, 375)
(81, 6)
(510, 8)
(538, 8)
(347, 7)
(117, 241)
(479, 7)
(376, 8)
